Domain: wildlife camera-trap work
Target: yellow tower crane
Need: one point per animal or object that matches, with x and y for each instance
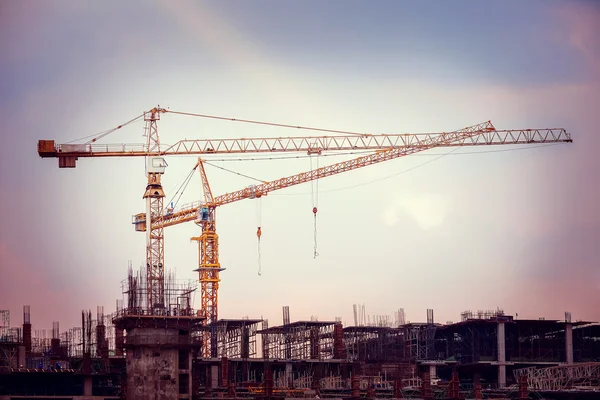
(385, 147)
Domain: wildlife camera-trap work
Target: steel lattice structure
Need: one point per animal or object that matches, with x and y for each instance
(561, 377)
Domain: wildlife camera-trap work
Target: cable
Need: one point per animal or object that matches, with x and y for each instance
(259, 231)
(315, 203)
(258, 212)
(373, 181)
(184, 184)
(268, 123)
(233, 172)
(102, 134)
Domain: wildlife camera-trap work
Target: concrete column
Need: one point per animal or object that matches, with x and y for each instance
(501, 355)
(214, 376)
(433, 371)
(569, 343)
(21, 356)
(289, 376)
(87, 386)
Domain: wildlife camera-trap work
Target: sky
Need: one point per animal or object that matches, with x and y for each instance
(514, 227)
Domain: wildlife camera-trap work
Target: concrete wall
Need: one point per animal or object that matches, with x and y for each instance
(152, 372)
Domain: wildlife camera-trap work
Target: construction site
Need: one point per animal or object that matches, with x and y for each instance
(157, 345)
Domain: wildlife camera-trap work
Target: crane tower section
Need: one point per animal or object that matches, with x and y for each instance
(154, 196)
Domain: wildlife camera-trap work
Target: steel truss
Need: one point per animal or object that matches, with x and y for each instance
(562, 377)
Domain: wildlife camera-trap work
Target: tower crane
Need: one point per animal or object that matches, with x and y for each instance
(385, 146)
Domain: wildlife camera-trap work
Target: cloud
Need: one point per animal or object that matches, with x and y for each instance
(427, 209)
(390, 216)
(582, 21)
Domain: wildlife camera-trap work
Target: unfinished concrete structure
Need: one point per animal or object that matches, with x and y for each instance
(159, 352)
(487, 353)
(158, 344)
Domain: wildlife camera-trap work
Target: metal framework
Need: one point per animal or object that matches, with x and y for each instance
(374, 344)
(9, 341)
(154, 195)
(481, 134)
(420, 341)
(562, 377)
(4, 324)
(208, 263)
(178, 295)
(309, 144)
(235, 338)
(467, 342)
(301, 340)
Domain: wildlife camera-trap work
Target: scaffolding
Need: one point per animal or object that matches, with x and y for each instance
(374, 344)
(10, 339)
(4, 325)
(361, 318)
(583, 376)
(178, 295)
(236, 338)
(481, 314)
(301, 340)
(420, 341)
(468, 342)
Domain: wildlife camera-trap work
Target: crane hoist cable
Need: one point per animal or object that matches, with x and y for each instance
(314, 185)
(438, 156)
(259, 231)
(182, 188)
(258, 211)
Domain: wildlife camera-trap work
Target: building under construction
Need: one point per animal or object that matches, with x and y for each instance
(133, 353)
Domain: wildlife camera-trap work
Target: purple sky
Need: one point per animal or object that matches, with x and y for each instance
(516, 229)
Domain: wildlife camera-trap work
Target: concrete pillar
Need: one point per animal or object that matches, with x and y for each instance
(185, 379)
(245, 342)
(87, 386)
(355, 382)
(27, 337)
(569, 343)
(224, 372)
(119, 340)
(21, 357)
(289, 376)
(152, 362)
(501, 355)
(214, 376)
(433, 371)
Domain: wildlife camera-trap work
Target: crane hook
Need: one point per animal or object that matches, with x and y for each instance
(258, 235)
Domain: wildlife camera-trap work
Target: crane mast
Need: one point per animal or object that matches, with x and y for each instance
(208, 262)
(154, 197)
